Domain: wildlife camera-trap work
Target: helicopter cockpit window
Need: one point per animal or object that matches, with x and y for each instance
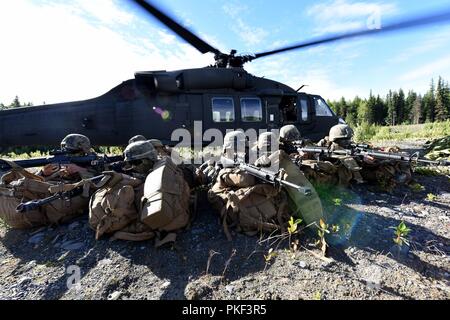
(251, 109)
(322, 109)
(222, 109)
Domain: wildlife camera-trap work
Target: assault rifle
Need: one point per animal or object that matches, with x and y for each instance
(360, 152)
(62, 157)
(263, 174)
(36, 204)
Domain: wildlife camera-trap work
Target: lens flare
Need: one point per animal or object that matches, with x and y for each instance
(337, 203)
(165, 114)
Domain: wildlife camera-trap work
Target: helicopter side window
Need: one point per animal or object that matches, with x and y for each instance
(304, 109)
(322, 109)
(251, 109)
(222, 109)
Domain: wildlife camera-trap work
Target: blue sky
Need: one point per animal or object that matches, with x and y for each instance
(57, 51)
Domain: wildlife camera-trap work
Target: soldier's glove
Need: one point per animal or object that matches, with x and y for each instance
(208, 169)
(112, 178)
(50, 169)
(263, 162)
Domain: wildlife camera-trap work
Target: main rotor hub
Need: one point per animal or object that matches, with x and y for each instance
(231, 60)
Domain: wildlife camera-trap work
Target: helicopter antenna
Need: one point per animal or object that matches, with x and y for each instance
(301, 87)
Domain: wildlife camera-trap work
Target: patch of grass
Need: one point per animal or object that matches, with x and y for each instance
(367, 132)
(117, 151)
(20, 154)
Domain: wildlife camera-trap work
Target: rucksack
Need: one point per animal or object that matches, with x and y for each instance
(114, 206)
(165, 205)
(247, 206)
(19, 185)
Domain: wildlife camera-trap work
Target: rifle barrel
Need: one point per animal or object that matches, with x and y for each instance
(35, 204)
(272, 177)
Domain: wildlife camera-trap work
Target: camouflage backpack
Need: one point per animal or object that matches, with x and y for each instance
(115, 206)
(165, 205)
(247, 206)
(19, 185)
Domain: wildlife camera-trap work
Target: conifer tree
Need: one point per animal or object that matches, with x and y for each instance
(417, 110)
(441, 107)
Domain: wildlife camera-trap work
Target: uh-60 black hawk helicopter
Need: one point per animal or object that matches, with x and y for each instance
(155, 103)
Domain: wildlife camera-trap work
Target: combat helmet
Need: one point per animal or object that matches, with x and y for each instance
(156, 143)
(234, 141)
(289, 133)
(76, 143)
(140, 150)
(139, 137)
(340, 131)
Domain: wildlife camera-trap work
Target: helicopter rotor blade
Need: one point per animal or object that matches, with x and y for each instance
(411, 23)
(183, 32)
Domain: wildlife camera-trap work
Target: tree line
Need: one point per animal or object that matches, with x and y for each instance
(397, 107)
(15, 104)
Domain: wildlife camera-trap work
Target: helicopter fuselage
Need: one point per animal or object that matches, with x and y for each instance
(156, 103)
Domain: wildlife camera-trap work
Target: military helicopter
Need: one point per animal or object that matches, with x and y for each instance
(155, 103)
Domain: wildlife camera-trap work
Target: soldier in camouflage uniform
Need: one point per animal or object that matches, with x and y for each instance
(267, 144)
(242, 201)
(319, 171)
(151, 200)
(20, 185)
(232, 141)
(340, 138)
(75, 145)
(114, 208)
(157, 144)
(386, 174)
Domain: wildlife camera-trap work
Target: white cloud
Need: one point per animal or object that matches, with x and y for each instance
(251, 35)
(319, 78)
(430, 42)
(106, 11)
(342, 15)
(53, 53)
(432, 69)
(233, 9)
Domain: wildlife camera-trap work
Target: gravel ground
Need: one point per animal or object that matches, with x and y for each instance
(363, 261)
